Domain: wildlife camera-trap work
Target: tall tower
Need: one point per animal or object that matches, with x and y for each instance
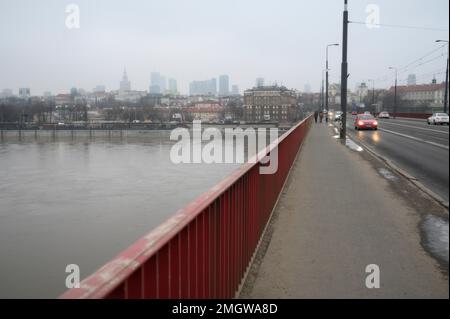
(224, 85)
(125, 84)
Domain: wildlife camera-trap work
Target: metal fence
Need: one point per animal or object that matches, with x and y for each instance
(205, 249)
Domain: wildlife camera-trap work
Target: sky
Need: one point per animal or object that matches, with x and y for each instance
(283, 41)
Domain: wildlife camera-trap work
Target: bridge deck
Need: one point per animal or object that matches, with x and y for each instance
(336, 216)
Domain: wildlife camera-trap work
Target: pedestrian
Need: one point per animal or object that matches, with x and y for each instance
(321, 116)
(316, 115)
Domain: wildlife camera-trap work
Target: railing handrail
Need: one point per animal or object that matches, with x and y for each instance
(111, 275)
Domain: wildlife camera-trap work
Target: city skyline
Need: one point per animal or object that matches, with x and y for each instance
(112, 34)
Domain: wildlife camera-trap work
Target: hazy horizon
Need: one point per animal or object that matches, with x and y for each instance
(280, 41)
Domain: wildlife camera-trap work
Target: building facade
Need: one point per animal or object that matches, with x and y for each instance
(422, 94)
(273, 103)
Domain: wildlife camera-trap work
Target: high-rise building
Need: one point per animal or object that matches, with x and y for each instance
(412, 79)
(224, 85)
(235, 90)
(7, 93)
(155, 83)
(24, 93)
(74, 91)
(99, 89)
(173, 87)
(208, 87)
(125, 84)
(162, 84)
(307, 88)
(259, 82)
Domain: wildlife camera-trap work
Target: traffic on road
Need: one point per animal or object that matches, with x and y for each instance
(413, 145)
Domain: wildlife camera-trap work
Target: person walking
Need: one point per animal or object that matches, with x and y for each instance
(321, 116)
(316, 115)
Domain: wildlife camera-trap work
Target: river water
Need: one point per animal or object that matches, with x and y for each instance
(81, 200)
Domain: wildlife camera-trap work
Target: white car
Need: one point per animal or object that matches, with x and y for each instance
(384, 115)
(438, 118)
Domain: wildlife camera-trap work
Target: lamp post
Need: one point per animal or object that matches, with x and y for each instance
(321, 93)
(395, 90)
(344, 72)
(373, 93)
(326, 81)
(446, 79)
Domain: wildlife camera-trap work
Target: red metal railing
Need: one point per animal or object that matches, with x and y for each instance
(204, 250)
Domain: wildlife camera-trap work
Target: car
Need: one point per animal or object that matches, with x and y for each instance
(384, 115)
(366, 122)
(438, 118)
(354, 113)
(338, 116)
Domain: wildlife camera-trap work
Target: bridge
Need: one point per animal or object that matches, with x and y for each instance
(308, 231)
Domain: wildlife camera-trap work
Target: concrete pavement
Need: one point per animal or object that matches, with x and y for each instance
(337, 215)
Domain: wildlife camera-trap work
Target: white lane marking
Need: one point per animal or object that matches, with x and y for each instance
(420, 128)
(416, 139)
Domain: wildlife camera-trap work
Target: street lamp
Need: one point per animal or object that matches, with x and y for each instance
(373, 93)
(321, 90)
(326, 83)
(446, 79)
(344, 72)
(395, 90)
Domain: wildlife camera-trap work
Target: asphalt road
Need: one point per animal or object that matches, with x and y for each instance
(421, 150)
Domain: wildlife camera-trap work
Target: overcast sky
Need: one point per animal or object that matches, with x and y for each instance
(281, 40)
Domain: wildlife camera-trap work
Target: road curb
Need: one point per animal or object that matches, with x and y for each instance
(408, 176)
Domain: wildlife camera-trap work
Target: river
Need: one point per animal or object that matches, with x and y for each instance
(81, 200)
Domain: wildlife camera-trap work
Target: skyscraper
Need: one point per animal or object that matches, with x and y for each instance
(155, 83)
(208, 87)
(235, 90)
(224, 85)
(7, 93)
(24, 93)
(412, 79)
(162, 84)
(173, 89)
(99, 89)
(307, 88)
(125, 85)
(259, 82)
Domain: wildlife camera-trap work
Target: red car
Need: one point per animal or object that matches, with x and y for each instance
(354, 113)
(366, 122)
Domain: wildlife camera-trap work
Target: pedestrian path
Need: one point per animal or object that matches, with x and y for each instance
(337, 216)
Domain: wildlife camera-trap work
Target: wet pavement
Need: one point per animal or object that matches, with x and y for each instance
(341, 211)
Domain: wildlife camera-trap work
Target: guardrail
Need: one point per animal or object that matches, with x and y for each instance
(204, 250)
